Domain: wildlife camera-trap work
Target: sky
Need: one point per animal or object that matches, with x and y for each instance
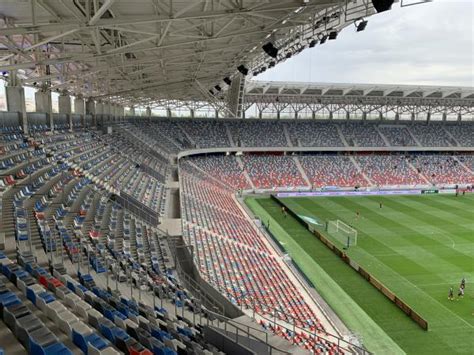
(427, 44)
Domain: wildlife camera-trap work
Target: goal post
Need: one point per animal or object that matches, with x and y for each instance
(342, 232)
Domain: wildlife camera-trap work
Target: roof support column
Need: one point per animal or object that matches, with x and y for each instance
(79, 109)
(64, 104)
(148, 113)
(90, 110)
(459, 117)
(445, 116)
(364, 116)
(15, 95)
(99, 113)
(44, 105)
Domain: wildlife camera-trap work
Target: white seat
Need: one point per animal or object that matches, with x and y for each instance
(107, 351)
(71, 299)
(62, 292)
(66, 322)
(81, 308)
(119, 322)
(21, 286)
(53, 308)
(81, 329)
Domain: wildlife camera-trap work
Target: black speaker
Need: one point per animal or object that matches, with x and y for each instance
(382, 5)
(242, 69)
(270, 49)
(227, 80)
(332, 35)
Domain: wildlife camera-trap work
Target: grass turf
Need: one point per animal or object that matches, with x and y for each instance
(418, 246)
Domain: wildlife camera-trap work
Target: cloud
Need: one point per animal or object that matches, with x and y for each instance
(429, 44)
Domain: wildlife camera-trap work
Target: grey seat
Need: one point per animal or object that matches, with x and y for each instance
(12, 313)
(26, 325)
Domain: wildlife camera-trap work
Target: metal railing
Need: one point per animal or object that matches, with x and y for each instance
(279, 318)
(243, 333)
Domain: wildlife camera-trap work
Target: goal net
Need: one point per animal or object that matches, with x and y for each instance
(342, 232)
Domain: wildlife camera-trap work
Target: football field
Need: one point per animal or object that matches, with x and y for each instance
(417, 246)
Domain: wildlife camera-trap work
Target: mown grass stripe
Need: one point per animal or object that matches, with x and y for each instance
(449, 333)
(410, 236)
(395, 323)
(375, 338)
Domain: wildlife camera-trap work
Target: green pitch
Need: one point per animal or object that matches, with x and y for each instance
(418, 246)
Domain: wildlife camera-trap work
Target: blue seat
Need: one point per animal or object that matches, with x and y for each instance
(54, 348)
(120, 338)
(97, 342)
(47, 297)
(8, 299)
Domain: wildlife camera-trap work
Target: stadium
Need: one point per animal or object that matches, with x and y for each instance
(159, 197)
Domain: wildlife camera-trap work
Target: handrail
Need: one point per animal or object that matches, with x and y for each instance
(246, 331)
(340, 342)
(198, 293)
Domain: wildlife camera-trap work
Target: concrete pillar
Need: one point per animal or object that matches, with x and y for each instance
(445, 116)
(148, 113)
(364, 116)
(90, 110)
(459, 117)
(168, 112)
(412, 116)
(64, 105)
(99, 108)
(44, 104)
(108, 111)
(132, 111)
(16, 103)
(191, 111)
(380, 116)
(348, 116)
(397, 117)
(428, 116)
(331, 115)
(278, 114)
(296, 115)
(216, 114)
(313, 115)
(113, 111)
(79, 109)
(99, 113)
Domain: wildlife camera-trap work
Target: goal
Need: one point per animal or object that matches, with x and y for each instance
(342, 232)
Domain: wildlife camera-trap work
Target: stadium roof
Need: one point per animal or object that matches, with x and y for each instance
(255, 87)
(126, 50)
